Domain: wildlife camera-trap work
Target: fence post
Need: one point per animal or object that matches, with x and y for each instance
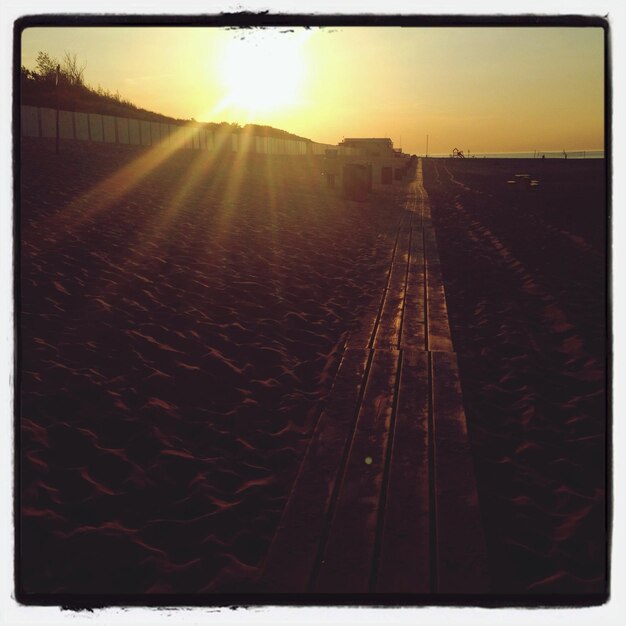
(56, 88)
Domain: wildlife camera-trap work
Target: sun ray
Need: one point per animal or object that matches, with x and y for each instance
(107, 192)
(232, 193)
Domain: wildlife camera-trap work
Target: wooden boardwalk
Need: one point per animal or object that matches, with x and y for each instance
(385, 500)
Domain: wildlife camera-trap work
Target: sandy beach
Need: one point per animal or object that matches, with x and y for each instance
(525, 273)
(180, 325)
(182, 321)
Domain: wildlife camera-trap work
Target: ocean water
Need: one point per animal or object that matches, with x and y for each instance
(574, 154)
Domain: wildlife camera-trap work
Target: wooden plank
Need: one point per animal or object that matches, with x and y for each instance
(410, 200)
(108, 129)
(461, 555)
(413, 329)
(122, 130)
(404, 562)
(346, 566)
(48, 122)
(419, 202)
(439, 338)
(66, 124)
(134, 132)
(388, 332)
(291, 557)
(426, 215)
(155, 133)
(425, 206)
(30, 121)
(423, 202)
(95, 127)
(362, 336)
(413, 326)
(380, 503)
(144, 130)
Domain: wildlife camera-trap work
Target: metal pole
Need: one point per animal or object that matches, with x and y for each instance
(426, 145)
(56, 88)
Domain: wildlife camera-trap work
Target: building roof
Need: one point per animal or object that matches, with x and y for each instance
(385, 139)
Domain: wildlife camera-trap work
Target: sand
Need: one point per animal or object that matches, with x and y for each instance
(182, 319)
(180, 326)
(526, 285)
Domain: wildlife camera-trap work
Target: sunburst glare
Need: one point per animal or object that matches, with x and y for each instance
(264, 70)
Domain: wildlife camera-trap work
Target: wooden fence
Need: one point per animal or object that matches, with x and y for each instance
(41, 122)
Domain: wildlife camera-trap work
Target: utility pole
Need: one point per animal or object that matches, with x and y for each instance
(426, 146)
(56, 88)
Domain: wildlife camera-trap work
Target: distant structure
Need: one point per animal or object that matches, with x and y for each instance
(378, 147)
(457, 154)
(376, 164)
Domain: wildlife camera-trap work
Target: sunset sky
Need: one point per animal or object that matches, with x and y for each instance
(482, 89)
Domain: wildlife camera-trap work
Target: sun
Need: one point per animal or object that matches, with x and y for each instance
(263, 70)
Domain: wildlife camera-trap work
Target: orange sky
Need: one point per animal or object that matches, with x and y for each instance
(489, 89)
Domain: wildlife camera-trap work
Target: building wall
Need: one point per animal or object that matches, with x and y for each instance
(41, 122)
(122, 130)
(66, 125)
(47, 119)
(81, 126)
(108, 125)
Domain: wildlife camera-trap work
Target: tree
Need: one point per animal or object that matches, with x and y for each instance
(26, 75)
(45, 64)
(73, 70)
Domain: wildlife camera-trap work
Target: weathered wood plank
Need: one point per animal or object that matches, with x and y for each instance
(417, 264)
(439, 338)
(388, 333)
(410, 199)
(405, 517)
(291, 557)
(423, 204)
(426, 215)
(362, 336)
(346, 565)
(413, 326)
(461, 555)
(404, 561)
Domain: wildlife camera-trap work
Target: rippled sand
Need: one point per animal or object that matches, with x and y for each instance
(526, 286)
(181, 319)
(180, 323)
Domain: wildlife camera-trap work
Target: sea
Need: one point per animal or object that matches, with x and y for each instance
(574, 154)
